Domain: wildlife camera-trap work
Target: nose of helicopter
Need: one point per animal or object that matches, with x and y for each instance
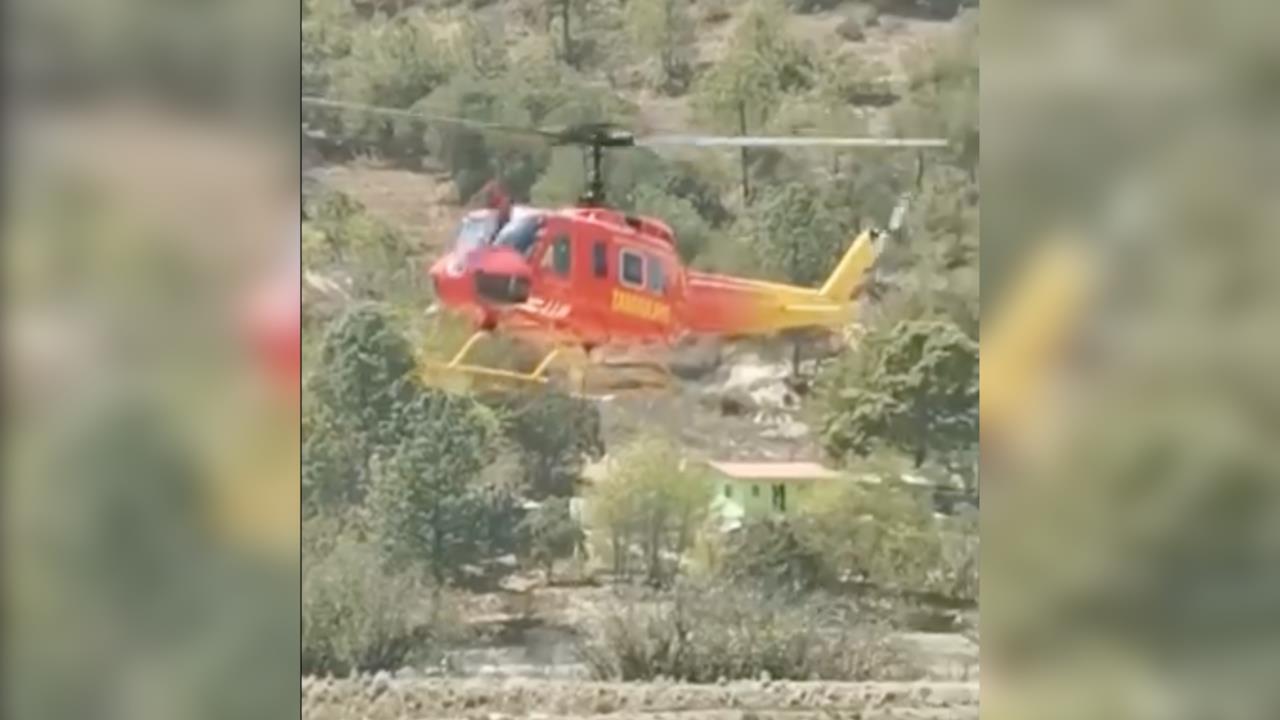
(495, 276)
(451, 279)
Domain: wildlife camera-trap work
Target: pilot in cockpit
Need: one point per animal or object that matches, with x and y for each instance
(494, 222)
(496, 198)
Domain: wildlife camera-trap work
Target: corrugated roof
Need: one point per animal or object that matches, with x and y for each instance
(774, 470)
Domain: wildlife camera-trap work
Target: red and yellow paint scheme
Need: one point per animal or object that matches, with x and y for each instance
(586, 277)
(273, 324)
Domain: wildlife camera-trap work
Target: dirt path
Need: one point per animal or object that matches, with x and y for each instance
(382, 697)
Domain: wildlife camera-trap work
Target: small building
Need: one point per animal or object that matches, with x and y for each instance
(748, 490)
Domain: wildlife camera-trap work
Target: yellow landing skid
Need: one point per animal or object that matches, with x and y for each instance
(563, 367)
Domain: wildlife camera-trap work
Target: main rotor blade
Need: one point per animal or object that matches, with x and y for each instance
(764, 141)
(431, 117)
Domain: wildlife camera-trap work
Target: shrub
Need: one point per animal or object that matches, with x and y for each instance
(357, 616)
(650, 507)
(851, 29)
(366, 257)
(663, 29)
(778, 552)
(813, 6)
(704, 633)
(554, 435)
(716, 11)
(550, 533)
(882, 534)
(957, 575)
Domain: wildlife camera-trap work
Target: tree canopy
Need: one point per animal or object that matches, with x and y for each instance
(916, 390)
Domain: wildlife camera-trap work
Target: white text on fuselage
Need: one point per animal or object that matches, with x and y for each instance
(550, 309)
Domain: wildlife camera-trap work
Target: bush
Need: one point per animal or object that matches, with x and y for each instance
(957, 575)
(813, 6)
(778, 552)
(550, 533)
(366, 256)
(357, 616)
(554, 435)
(705, 633)
(851, 29)
(716, 11)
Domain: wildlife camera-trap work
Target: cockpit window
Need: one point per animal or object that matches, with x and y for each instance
(476, 230)
(520, 233)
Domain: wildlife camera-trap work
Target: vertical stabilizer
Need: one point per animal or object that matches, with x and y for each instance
(852, 269)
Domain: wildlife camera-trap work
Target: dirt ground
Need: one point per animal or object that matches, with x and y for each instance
(383, 697)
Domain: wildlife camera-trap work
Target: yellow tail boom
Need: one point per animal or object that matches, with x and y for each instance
(851, 270)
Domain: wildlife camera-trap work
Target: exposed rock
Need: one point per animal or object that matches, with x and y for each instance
(789, 429)
(379, 684)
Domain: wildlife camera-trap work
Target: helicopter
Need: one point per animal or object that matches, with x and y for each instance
(581, 280)
(270, 321)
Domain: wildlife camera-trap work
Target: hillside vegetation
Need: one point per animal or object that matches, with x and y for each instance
(429, 500)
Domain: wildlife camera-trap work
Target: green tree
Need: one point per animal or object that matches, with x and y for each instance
(743, 90)
(942, 97)
(664, 28)
(653, 503)
(941, 246)
(554, 433)
(365, 375)
(420, 501)
(691, 230)
(486, 523)
(880, 533)
(916, 390)
(857, 81)
(625, 174)
(474, 157)
(801, 237)
(331, 460)
(352, 397)
(564, 10)
(550, 533)
(326, 39)
(393, 62)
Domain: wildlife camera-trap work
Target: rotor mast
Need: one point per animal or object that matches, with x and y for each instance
(594, 138)
(594, 195)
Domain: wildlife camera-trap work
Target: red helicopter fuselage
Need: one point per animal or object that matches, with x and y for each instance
(595, 276)
(591, 276)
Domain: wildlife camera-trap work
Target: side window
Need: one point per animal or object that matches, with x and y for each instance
(600, 259)
(632, 269)
(559, 255)
(657, 278)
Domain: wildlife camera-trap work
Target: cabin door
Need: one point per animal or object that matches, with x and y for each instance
(553, 297)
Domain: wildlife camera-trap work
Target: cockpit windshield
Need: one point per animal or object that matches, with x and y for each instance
(476, 230)
(520, 233)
